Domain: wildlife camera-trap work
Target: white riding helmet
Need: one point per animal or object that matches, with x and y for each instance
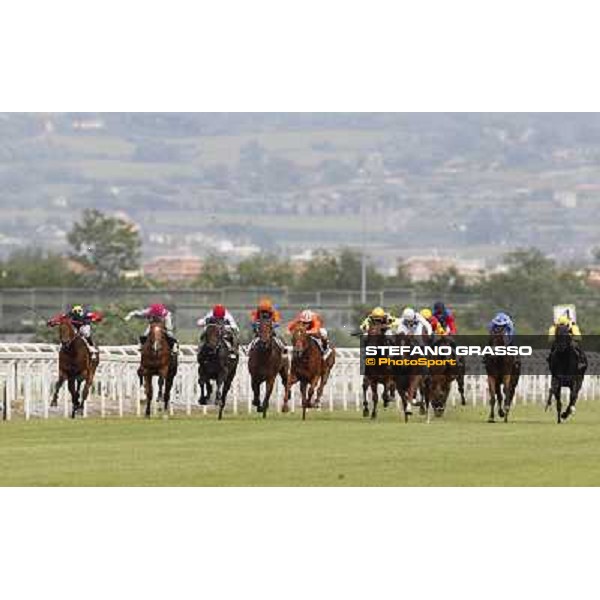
(408, 315)
(306, 316)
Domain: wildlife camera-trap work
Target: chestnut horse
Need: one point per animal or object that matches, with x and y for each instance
(265, 361)
(75, 366)
(157, 361)
(309, 368)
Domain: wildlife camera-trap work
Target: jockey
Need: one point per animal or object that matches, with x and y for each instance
(156, 312)
(266, 311)
(221, 316)
(436, 326)
(446, 317)
(503, 322)
(574, 332)
(82, 320)
(379, 316)
(564, 320)
(413, 323)
(314, 328)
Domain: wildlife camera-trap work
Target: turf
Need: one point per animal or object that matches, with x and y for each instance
(327, 450)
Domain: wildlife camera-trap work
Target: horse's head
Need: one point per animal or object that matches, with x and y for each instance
(214, 334)
(376, 328)
(563, 337)
(438, 392)
(66, 331)
(499, 336)
(156, 336)
(265, 331)
(300, 340)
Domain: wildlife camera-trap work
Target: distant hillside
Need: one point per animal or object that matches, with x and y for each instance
(467, 184)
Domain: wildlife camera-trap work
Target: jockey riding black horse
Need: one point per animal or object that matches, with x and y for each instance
(568, 364)
(217, 361)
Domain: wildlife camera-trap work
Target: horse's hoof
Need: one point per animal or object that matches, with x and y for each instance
(501, 414)
(259, 408)
(365, 412)
(202, 401)
(422, 410)
(285, 408)
(374, 416)
(491, 420)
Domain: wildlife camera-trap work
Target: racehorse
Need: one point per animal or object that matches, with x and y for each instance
(375, 375)
(309, 368)
(265, 361)
(75, 365)
(503, 376)
(439, 379)
(157, 361)
(566, 372)
(408, 379)
(215, 363)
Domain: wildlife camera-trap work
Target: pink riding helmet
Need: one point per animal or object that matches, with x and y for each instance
(157, 310)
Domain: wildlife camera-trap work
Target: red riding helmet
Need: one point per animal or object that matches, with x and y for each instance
(218, 311)
(157, 310)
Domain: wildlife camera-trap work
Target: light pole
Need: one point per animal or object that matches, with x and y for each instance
(363, 255)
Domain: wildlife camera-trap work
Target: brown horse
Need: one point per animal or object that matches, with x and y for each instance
(309, 368)
(157, 361)
(439, 379)
(503, 376)
(75, 365)
(265, 361)
(375, 376)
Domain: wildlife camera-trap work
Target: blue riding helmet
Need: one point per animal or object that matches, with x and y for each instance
(501, 320)
(439, 307)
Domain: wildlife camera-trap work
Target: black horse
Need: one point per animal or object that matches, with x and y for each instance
(567, 367)
(216, 362)
(374, 376)
(503, 374)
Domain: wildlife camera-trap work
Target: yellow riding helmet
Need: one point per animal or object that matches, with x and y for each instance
(378, 313)
(563, 320)
(426, 312)
(77, 309)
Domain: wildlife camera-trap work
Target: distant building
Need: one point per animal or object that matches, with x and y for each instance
(173, 268)
(423, 268)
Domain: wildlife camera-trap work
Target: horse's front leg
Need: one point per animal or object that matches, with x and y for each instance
(269, 391)
(168, 380)
(290, 381)
(303, 389)
(61, 380)
(365, 387)
(74, 397)
(573, 392)
(256, 394)
(375, 398)
(492, 394)
(149, 393)
(86, 391)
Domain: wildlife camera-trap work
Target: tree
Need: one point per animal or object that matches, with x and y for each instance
(106, 246)
(265, 271)
(34, 268)
(215, 273)
(529, 288)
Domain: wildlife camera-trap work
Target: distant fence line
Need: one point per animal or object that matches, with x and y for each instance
(20, 309)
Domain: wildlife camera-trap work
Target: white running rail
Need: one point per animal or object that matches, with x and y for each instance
(28, 373)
